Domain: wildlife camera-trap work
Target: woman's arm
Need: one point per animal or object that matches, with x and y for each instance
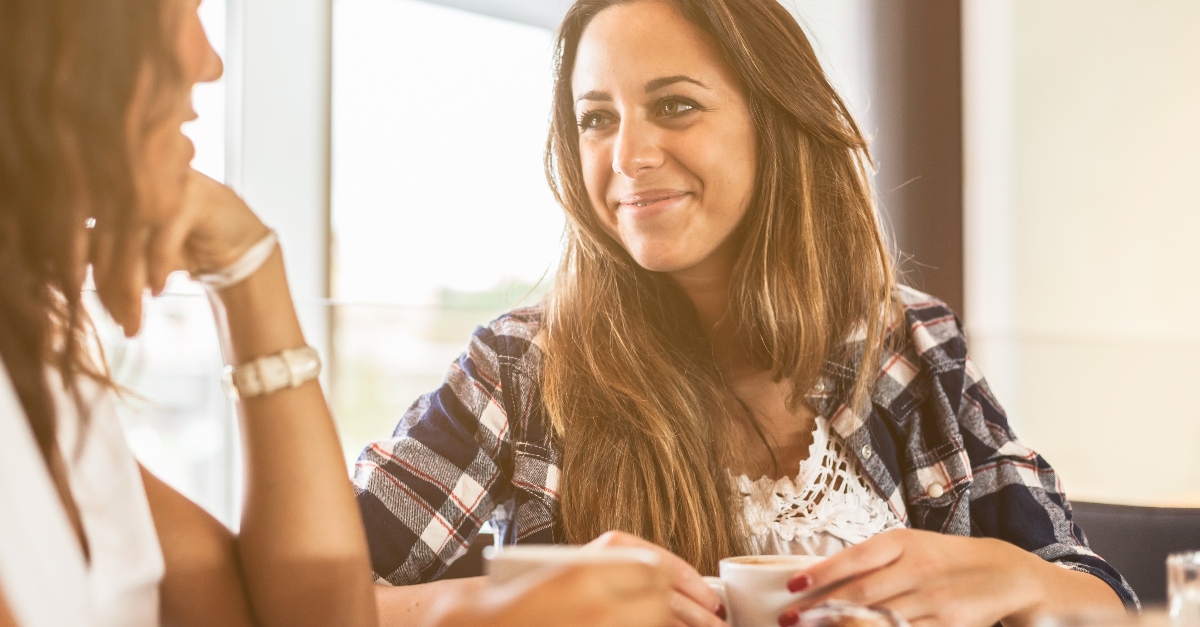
(609, 595)
(301, 546)
(301, 549)
(1064, 590)
(936, 579)
(405, 606)
(203, 581)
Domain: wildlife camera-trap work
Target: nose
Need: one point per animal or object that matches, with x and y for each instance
(636, 151)
(213, 66)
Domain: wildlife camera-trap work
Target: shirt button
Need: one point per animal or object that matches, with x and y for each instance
(867, 453)
(935, 491)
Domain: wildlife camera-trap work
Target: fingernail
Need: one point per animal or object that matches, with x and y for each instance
(789, 618)
(799, 583)
(720, 611)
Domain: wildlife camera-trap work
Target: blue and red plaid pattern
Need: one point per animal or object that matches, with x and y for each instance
(933, 442)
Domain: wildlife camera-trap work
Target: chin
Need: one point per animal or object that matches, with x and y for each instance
(662, 261)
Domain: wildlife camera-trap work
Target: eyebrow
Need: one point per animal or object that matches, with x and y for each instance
(659, 83)
(651, 86)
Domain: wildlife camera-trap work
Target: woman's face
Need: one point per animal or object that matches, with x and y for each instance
(666, 138)
(162, 154)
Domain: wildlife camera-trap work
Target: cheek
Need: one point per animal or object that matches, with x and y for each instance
(724, 161)
(731, 163)
(596, 163)
(168, 158)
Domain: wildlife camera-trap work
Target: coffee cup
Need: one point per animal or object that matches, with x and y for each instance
(754, 587)
(505, 564)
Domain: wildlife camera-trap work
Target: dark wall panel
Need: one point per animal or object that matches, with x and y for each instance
(916, 104)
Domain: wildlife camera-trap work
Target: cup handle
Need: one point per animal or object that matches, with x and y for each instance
(718, 586)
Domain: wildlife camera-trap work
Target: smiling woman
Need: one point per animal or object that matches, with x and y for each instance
(726, 318)
(742, 224)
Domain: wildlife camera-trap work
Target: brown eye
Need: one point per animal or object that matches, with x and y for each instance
(668, 108)
(590, 121)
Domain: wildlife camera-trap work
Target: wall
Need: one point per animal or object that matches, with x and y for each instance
(1097, 242)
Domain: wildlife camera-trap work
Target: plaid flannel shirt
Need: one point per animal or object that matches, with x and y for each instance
(934, 443)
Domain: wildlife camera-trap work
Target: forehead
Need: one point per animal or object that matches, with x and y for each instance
(630, 44)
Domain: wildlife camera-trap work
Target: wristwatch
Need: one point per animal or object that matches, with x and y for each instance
(283, 370)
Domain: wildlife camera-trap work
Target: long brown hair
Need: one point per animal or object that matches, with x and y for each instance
(68, 74)
(630, 383)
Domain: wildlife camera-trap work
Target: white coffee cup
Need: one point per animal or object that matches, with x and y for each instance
(505, 564)
(754, 587)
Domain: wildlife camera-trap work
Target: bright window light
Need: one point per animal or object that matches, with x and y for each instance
(439, 122)
(441, 215)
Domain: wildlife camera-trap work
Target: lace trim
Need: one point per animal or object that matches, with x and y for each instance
(828, 496)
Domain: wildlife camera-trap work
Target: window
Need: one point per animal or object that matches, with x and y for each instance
(441, 215)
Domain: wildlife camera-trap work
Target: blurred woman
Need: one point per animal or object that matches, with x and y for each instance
(94, 171)
(725, 364)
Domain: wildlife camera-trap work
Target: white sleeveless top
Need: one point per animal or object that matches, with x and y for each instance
(828, 505)
(44, 575)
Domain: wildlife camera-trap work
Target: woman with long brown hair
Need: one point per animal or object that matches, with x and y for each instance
(94, 172)
(725, 364)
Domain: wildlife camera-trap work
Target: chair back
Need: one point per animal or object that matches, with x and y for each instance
(470, 564)
(1137, 540)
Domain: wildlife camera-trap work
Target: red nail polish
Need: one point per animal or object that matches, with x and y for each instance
(720, 611)
(799, 583)
(789, 618)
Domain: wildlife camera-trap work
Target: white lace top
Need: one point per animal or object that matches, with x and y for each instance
(827, 507)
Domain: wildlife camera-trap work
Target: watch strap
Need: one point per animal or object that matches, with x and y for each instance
(286, 369)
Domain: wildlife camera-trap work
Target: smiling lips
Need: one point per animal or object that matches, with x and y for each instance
(651, 199)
